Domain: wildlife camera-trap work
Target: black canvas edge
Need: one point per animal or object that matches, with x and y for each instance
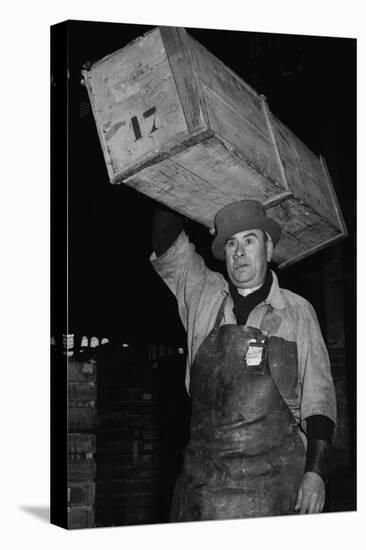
(59, 271)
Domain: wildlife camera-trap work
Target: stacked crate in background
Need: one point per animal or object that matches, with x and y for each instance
(128, 474)
(128, 459)
(137, 456)
(82, 420)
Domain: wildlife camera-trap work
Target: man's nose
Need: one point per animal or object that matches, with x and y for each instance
(240, 251)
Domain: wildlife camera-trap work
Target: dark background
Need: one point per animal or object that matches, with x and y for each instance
(310, 85)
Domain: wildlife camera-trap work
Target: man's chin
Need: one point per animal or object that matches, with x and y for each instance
(240, 281)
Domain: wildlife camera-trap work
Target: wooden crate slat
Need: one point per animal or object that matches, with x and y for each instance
(81, 517)
(161, 179)
(78, 371)
(334, 199)
(80, 393)
(215, 163)
(252, 146)
(81, 493)
(225, 84)
(287, 244)
(299, 232)
(79, 470)
(82, 418)
(304, 173)
(79, 443)
(178, 52)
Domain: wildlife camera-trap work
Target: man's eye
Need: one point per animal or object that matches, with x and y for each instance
(230, 243)
(248, 241)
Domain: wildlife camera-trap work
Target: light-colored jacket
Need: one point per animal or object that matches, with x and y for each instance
(200, 292)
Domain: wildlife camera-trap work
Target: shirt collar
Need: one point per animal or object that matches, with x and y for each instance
(275, 297)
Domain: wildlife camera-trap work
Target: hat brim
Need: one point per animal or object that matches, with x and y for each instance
(265, 224)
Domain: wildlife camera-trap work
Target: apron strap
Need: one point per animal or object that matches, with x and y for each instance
(220, 315)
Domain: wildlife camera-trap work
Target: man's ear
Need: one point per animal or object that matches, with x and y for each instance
(269, 247)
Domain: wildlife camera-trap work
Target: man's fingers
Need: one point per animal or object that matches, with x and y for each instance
(313, 504)
(320, 506)
(298, 499)
(309, 503)
(305, 504)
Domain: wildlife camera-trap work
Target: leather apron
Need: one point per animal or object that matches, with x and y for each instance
(245, 457)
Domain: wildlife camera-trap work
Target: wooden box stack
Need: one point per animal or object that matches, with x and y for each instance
(143, 417)
(82, 420)
(178, 125)
(128, 459)
(127, 441)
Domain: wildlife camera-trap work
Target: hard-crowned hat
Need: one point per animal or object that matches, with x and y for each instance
(240, 216)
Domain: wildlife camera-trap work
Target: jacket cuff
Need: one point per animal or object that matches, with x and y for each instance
(320, 427)
(318, 458)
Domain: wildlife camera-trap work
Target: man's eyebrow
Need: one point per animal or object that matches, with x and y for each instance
(244, 237)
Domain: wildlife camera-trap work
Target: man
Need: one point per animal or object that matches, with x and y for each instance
(263, 400)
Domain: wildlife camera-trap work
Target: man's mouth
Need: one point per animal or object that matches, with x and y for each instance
(239, 265)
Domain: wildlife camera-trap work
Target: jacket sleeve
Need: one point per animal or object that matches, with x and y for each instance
(185, 273)
(316, 383)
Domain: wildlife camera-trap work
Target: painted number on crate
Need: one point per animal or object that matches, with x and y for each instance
(147, 116)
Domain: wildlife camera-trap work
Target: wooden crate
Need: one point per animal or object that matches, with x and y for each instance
(81, 443)
(81, 493)
(178, 125)
(82, 371)
(82, 419)
(80, 394)
(80, 517)
(81, 468)
(81, 422)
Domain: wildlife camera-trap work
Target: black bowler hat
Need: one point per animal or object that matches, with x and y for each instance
(241, 216)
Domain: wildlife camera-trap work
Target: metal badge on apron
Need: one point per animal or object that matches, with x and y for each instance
(255, 358)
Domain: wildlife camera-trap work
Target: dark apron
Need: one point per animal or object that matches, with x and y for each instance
(245, 457)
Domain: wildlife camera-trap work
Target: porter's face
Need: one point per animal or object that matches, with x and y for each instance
(247, 254)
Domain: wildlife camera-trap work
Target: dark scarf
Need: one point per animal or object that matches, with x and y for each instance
(243, 305)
